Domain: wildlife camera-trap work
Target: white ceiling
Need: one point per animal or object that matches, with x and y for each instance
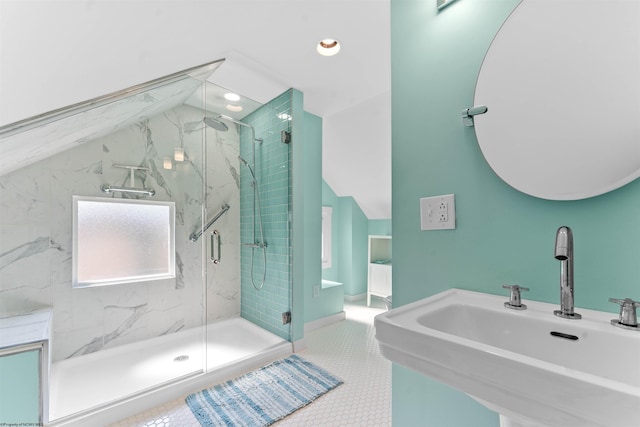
(81, 50)
(278, 38)
(351, 90)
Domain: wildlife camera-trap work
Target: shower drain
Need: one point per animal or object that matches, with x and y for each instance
(181, 358)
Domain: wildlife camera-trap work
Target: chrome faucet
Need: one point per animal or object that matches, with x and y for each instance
(564, 253)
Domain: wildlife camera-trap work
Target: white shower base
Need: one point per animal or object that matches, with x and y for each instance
(143, 374)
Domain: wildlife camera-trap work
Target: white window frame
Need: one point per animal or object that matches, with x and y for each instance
(79, 253)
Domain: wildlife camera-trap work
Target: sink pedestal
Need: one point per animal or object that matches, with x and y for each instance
(508, 418)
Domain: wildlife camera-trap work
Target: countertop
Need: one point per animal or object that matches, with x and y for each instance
(25, 329)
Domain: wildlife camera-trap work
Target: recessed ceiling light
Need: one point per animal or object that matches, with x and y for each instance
(230, 96)
(328, 47)
(234, 108)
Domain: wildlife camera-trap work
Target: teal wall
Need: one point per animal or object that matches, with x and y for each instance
(330, 300)
(502, 235)
(290, 178)
(314, 308)
(265, 307)
(329, 198)
(350, 239)
(353, 229)
(380, 227)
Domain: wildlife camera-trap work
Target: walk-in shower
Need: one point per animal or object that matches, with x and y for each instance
(115, 348)
(255, 244)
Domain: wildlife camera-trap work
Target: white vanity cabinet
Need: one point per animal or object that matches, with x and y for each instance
(379, 273)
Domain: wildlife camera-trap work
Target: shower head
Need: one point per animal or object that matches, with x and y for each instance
(215, 124)
(231, 119)
(238, 122)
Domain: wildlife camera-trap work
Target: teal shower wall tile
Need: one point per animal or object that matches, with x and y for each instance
(265, 307)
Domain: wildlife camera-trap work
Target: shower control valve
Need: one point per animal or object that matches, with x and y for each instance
(515, 301)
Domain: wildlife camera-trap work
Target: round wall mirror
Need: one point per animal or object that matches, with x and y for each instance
(561, 82)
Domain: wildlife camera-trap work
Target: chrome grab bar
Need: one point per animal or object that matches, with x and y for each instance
(147, 191)
(132, 185)
(214, 234)
(196, 235)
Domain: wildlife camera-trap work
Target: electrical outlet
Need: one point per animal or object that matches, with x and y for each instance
(443, 215)
(438, 213)
(316, 291)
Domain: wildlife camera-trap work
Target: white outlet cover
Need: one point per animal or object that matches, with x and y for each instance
(430, 213)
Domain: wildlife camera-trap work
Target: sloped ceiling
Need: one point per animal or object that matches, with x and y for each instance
(45, 137)
(58, 53)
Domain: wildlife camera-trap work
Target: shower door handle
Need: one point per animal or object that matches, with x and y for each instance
(215, 235)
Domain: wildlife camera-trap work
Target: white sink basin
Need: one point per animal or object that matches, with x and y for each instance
(509, 361)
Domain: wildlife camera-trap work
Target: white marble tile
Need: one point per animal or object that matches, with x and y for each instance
(25, 248)
(20, 299)
(60, 255)
(76, 308)
(223, 280)
(62, 307)
(125, 324)
(74, 342)
(24, 197)
(40, 195)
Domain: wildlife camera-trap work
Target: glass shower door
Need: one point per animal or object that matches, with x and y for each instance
(113, 342)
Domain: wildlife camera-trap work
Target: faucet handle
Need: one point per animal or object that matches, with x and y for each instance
(515, 302)
(628, 318)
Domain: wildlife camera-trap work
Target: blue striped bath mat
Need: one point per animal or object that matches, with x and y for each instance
(264, 396)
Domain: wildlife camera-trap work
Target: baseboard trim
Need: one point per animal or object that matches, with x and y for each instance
(324, 321)
(357, 297)
(299, 345)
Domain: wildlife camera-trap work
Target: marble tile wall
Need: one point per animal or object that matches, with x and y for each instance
(223, 186)
(36, 234)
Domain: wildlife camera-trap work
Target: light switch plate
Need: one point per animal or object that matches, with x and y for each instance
(438, 213)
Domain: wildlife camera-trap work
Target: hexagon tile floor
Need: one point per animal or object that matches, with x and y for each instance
(347, 349)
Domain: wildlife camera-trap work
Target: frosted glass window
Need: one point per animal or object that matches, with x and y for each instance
(122, 241)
